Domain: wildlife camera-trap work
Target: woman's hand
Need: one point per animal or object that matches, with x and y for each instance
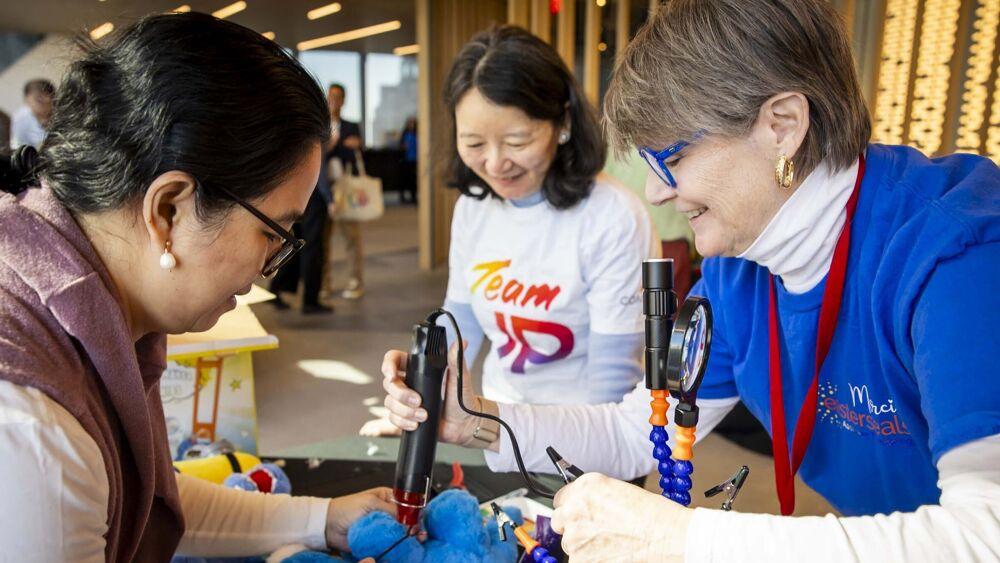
(345, 510)
(603, 519)
(403, 403)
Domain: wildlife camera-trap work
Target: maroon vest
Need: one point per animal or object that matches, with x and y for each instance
(62, 331)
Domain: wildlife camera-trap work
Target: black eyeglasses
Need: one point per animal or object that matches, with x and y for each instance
(289, 248)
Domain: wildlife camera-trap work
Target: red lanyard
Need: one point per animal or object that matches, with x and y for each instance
(784, 476)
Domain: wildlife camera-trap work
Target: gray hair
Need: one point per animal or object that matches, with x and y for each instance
(710, 65)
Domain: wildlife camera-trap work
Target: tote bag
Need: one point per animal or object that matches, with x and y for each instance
(359, 198)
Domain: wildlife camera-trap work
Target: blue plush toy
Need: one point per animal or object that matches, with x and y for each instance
(455, 534)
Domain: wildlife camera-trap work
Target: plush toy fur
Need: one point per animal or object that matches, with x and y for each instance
(455, 533)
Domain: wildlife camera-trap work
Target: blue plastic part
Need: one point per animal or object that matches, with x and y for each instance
(540, 554)
(666, 483)
(666, 467)
(661, 453)
(683, 468)
(680, 483)
(658, 435)
(682, 498)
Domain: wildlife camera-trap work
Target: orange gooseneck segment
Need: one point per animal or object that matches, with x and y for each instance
(525, 538)
(660, 406)
(684, 438)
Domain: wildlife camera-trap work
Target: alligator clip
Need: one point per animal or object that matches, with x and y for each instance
(567, 470)
(730, 486)
(502, 521)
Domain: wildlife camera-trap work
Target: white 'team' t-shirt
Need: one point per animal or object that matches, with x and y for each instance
(541, 280)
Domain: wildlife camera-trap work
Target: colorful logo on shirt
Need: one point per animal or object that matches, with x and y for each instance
(862, 413)
(496, 287)
(519, 327)
(512, 290)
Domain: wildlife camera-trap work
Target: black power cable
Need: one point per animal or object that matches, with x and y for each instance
(531, 484)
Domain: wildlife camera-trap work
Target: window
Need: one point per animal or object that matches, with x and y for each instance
(390, 97)
(341, 67)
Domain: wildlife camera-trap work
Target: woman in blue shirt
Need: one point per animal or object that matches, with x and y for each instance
(874, 263)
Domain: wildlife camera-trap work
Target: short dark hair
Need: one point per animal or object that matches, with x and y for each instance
(40, 85)
(182, 92)
(338, 86)
(512, 67)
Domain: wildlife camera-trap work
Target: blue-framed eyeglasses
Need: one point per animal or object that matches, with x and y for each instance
(657, 160)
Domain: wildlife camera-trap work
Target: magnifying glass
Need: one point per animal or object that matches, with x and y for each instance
(688, 349)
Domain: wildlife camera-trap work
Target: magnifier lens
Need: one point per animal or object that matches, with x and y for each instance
(690, 345)
(693, 352)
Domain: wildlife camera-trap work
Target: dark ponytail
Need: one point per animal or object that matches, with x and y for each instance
(19, 170)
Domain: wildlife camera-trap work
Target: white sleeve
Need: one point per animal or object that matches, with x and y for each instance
(458, 253)
(964, 527)
(55, 487)
(228, 522)
(612, 258)
(612, 438)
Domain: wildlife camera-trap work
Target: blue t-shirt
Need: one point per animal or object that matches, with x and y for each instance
(914, 367)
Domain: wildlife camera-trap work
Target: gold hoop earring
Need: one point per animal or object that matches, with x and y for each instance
(784, 172)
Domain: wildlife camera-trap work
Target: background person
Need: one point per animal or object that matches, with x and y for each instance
(31, 120)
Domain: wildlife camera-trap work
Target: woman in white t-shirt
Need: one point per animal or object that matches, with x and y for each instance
(545, 255)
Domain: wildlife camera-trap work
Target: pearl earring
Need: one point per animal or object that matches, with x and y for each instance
(563, 137)
(167, 259)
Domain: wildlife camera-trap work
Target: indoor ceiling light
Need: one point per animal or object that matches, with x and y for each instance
(406, 50)
(101, 30)
(349, 35)
(229, 10)
(322, 11)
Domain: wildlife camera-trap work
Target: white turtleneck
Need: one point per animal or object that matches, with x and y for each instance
(797, 244)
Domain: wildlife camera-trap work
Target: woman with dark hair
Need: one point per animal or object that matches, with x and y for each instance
(545, 255)
(179, 153)
(855, 299)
